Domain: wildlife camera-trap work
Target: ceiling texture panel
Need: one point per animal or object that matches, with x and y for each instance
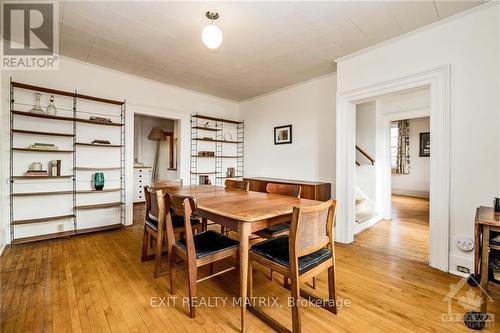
(267, 45)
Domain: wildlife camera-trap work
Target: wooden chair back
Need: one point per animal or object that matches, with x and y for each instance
(312, 229)
(152, 210)
(180, 205)
(237, 184)
(290, 190)
(167, 183)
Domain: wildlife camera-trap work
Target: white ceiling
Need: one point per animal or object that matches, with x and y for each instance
(267, 45)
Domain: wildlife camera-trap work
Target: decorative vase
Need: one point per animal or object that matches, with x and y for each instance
(51, 109)
(37, 107)
(98, 181)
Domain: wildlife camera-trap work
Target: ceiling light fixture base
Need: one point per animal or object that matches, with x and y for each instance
(212, 15)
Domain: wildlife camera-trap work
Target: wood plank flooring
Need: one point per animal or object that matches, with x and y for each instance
(97, 283)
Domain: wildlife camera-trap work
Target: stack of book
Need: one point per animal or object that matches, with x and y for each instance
(44, 146)
(101, 120)
(37, 173)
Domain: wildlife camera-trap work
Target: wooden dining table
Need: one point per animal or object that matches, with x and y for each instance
(244, 212)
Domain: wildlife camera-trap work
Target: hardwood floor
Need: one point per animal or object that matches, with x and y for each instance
(406, 235)
(96, 282)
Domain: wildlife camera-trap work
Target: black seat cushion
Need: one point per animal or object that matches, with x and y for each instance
(177, 221)
(274, 230)
(209, 242)
(276, 249)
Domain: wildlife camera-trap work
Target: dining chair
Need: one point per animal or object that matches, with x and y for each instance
(233, 184)
(289, 190)
(153, 230)
(307, 251)
(197, 249)
(281, 229)
(167, 183)
(237, 184)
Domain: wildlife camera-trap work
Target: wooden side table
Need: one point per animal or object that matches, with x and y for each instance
(487, 221)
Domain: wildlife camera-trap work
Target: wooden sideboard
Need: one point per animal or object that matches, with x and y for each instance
(310, 190)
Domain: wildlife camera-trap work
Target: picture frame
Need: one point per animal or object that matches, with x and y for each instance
(425, 144)
(283, 135)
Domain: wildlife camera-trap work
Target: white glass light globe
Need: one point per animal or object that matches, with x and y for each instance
(212, 36)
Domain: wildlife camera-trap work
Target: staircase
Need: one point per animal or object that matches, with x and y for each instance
(365, 208)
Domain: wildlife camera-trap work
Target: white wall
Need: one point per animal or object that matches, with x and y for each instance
(417, 181)
(143, 96)
(365, 139)
(310, 109)
(470, 45)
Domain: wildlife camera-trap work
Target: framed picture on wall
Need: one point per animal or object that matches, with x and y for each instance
(425, 144)
(283, 135)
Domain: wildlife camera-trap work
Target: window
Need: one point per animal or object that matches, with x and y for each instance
(394, 144)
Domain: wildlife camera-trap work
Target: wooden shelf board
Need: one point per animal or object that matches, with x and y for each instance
(96, 168)
(207, 128)
(495, 247)
(40, 177)
(217, 119)
(43, 219)
(27, 194)
(81, 120)
(236, 177)
(214, 140)
(97, 145)
(44, 116)
(203, 173)
(43, 150)
(42, 89)
(203, 156)
(98, 206)
(102, 191)
(42, 133)
(96, 229)
(43, 237)
(99, 99)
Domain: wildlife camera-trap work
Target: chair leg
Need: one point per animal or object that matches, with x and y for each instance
(314, 282)
(192, 288)
(171, 264)
(145, 244)
(271, 275)
(331, 287)
(295, 291)
(222, 230)
(211, 268)
(158, 257)
(204, 224)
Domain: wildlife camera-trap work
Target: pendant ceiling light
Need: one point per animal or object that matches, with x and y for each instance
(211, 34)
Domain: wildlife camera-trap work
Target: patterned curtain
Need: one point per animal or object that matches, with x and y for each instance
(403, 163)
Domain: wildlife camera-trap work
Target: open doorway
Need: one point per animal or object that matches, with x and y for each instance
(155, 152)
(392, 174)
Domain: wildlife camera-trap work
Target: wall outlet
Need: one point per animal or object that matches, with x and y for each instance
(464, 243)
(60, 227)
(463, 269)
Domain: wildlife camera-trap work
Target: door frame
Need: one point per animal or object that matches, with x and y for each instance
(438, 79)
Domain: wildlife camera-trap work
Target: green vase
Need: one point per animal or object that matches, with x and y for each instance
(99, 181)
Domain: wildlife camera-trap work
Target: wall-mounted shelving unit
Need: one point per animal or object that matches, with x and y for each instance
(37, 214)
(223, 137)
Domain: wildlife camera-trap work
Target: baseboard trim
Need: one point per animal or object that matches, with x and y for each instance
(360, 227)
(411, 193)
(2, 248)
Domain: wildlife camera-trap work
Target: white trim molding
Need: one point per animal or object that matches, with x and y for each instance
(438, 79)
